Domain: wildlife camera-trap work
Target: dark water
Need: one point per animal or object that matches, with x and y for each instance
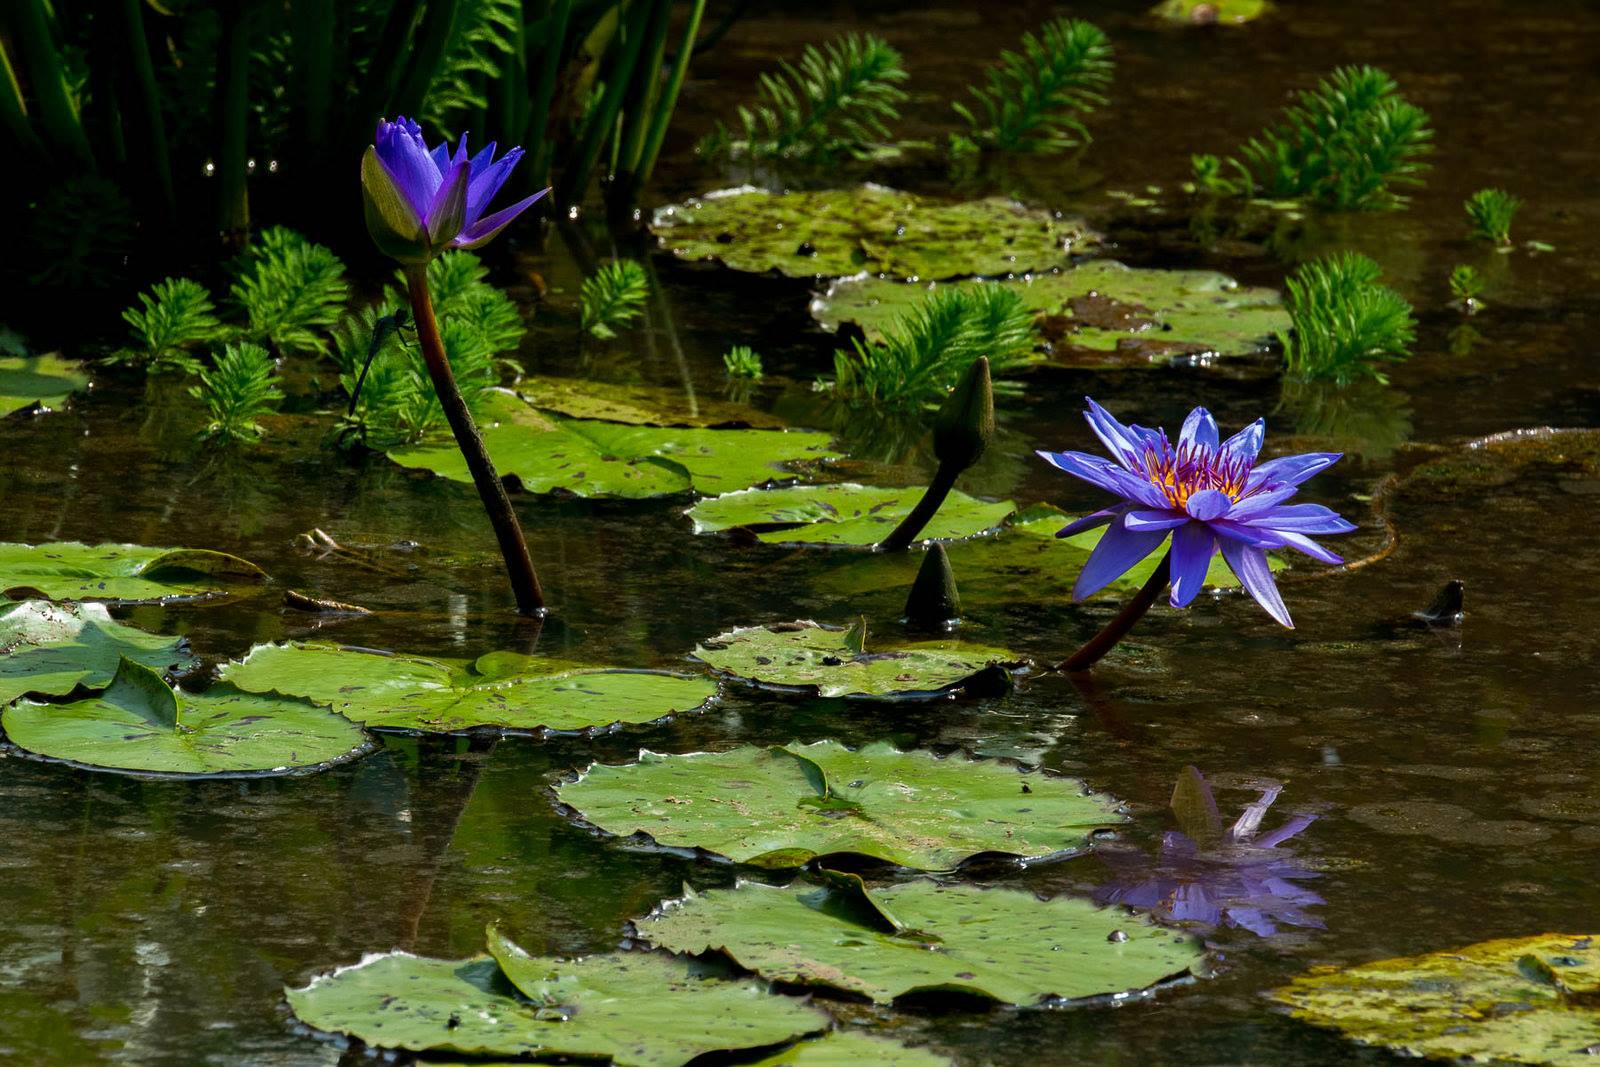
(1455, 775)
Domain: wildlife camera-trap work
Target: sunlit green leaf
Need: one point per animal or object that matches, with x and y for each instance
(842, 514)
(53, 648)
(69, 570)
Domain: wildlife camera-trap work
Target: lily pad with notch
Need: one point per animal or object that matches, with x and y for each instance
(841, 514)
(866, 228)
(70, 570)
(51, 649)
(141, 725)
(46, 380)
(782, 807)
(921, 937)
(500, 690)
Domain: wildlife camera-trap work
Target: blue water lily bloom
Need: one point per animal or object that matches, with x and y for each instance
(1207, 495)
(421, 201)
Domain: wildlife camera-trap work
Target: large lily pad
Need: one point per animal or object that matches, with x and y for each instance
(54, 648)
(640, 1009)
(46, 380)
(850, 1048)
(638, 404)
(589, 458)
(866, 228)
(782, 807)
(1099, 313)
(1516, 1000)
(841, 514)
(921, 937)
(831, 661)
(500, 690)
(69, 570)
(142, 725)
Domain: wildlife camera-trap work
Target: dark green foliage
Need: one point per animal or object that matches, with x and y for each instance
(742, 361)
(837, 102)
(1035, 99)
(1345, 145)
(175, 317)
(930, 348)
(291, 291)
(612, 297)
(1466, 284)
(79, 235)
(482, 38)
(1490, 212)
(1345, 324)
(240, 388)
(459, 283)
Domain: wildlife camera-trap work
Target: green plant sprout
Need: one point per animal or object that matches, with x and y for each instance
(836, 103)
(175, 317)
(291, 291)
(1344, 323)
(238, 390)
(1466, 285)
(1035, 100)
(1347, 145)
(742, 361)
(1490, 211)
(612, 297)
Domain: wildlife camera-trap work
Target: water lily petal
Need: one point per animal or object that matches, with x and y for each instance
(484, 157)
(1249, 565)
(1284, 832)
(1109, 476)
(1208, 504)
(403, 154)
(1125, 446)
(487, 182)
(1119, 549)
(1246, 444)
(485, 230)
(1163, 519)
(1199, 431)
(1302, 518)
(1089, 522)
(1189, 903)
(1303, 544)
(1262, 501)
(1292, 470)
(1248, 535)
(449, 206)
(1192, 546)
(395, 226)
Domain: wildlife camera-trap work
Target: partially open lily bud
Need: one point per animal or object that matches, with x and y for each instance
(965, 424)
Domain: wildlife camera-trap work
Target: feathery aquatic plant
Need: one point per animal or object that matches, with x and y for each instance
(239, 389)
(177, 315)
(612, 297)
(837, 102)
(1466, 285)
(1035, 99)
(1344, 323)
(1490, 212)
(742, 361)
(291, 290)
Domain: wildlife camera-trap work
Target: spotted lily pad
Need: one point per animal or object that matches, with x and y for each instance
(142, 725)
(54, 648)
(851, 1048)
(630, 1008)
(831, 661)
(841, 514)
(1516, 1000)
(866, 228)
(69, 570)
(638, 404)
(44, 380)
(589, 458)
(920, 937)
(784, 806)
(1099, 313)
(500, 690)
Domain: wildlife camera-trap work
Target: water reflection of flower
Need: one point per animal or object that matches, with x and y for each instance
(1208, 877)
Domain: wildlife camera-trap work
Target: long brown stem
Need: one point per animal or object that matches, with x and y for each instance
(900, 538)
(1096, 647)
(519, 567)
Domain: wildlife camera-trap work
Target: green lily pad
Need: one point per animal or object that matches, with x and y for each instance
(54, 648)
(46, 380)
(1516, 1000)
(841, 514)
(632, 1008)
(830, 661)
(588, 458)
(866, 228)
(920, 937)
(142, 725)
(69, 570)
(638, 404)
(1211, 12)
(850, 1048)
(784, 806)
(1099, 313)
(500, 690)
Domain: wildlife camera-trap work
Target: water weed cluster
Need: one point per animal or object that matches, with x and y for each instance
(1346, 324)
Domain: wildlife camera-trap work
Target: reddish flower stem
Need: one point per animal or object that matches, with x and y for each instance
(519, 566)
(1096, 647)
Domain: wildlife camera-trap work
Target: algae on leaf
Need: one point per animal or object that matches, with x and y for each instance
(841, 514)
(70, 570)
(919, 937)
(45, 380)
(499, 690)
(785, 806)
(54, 648)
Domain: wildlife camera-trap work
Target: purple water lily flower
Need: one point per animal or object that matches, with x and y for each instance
(1206, 877)
(1208, 494)
(420, 201)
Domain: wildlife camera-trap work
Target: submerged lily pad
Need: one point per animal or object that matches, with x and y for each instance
(589, 458)
(46, 380)
(841, 514)
(784, 806)
(54, 648)
(1516, 1000)
(141, 724)
(866, 228)
(638, 404)
(69, 570)
(850, 1048)
(832, 661)
(1099, 313)
(498, 690)
(631, 1008)
(921, 937)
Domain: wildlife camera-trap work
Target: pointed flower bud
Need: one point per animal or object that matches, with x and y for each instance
(965, 424)
(933, 603)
